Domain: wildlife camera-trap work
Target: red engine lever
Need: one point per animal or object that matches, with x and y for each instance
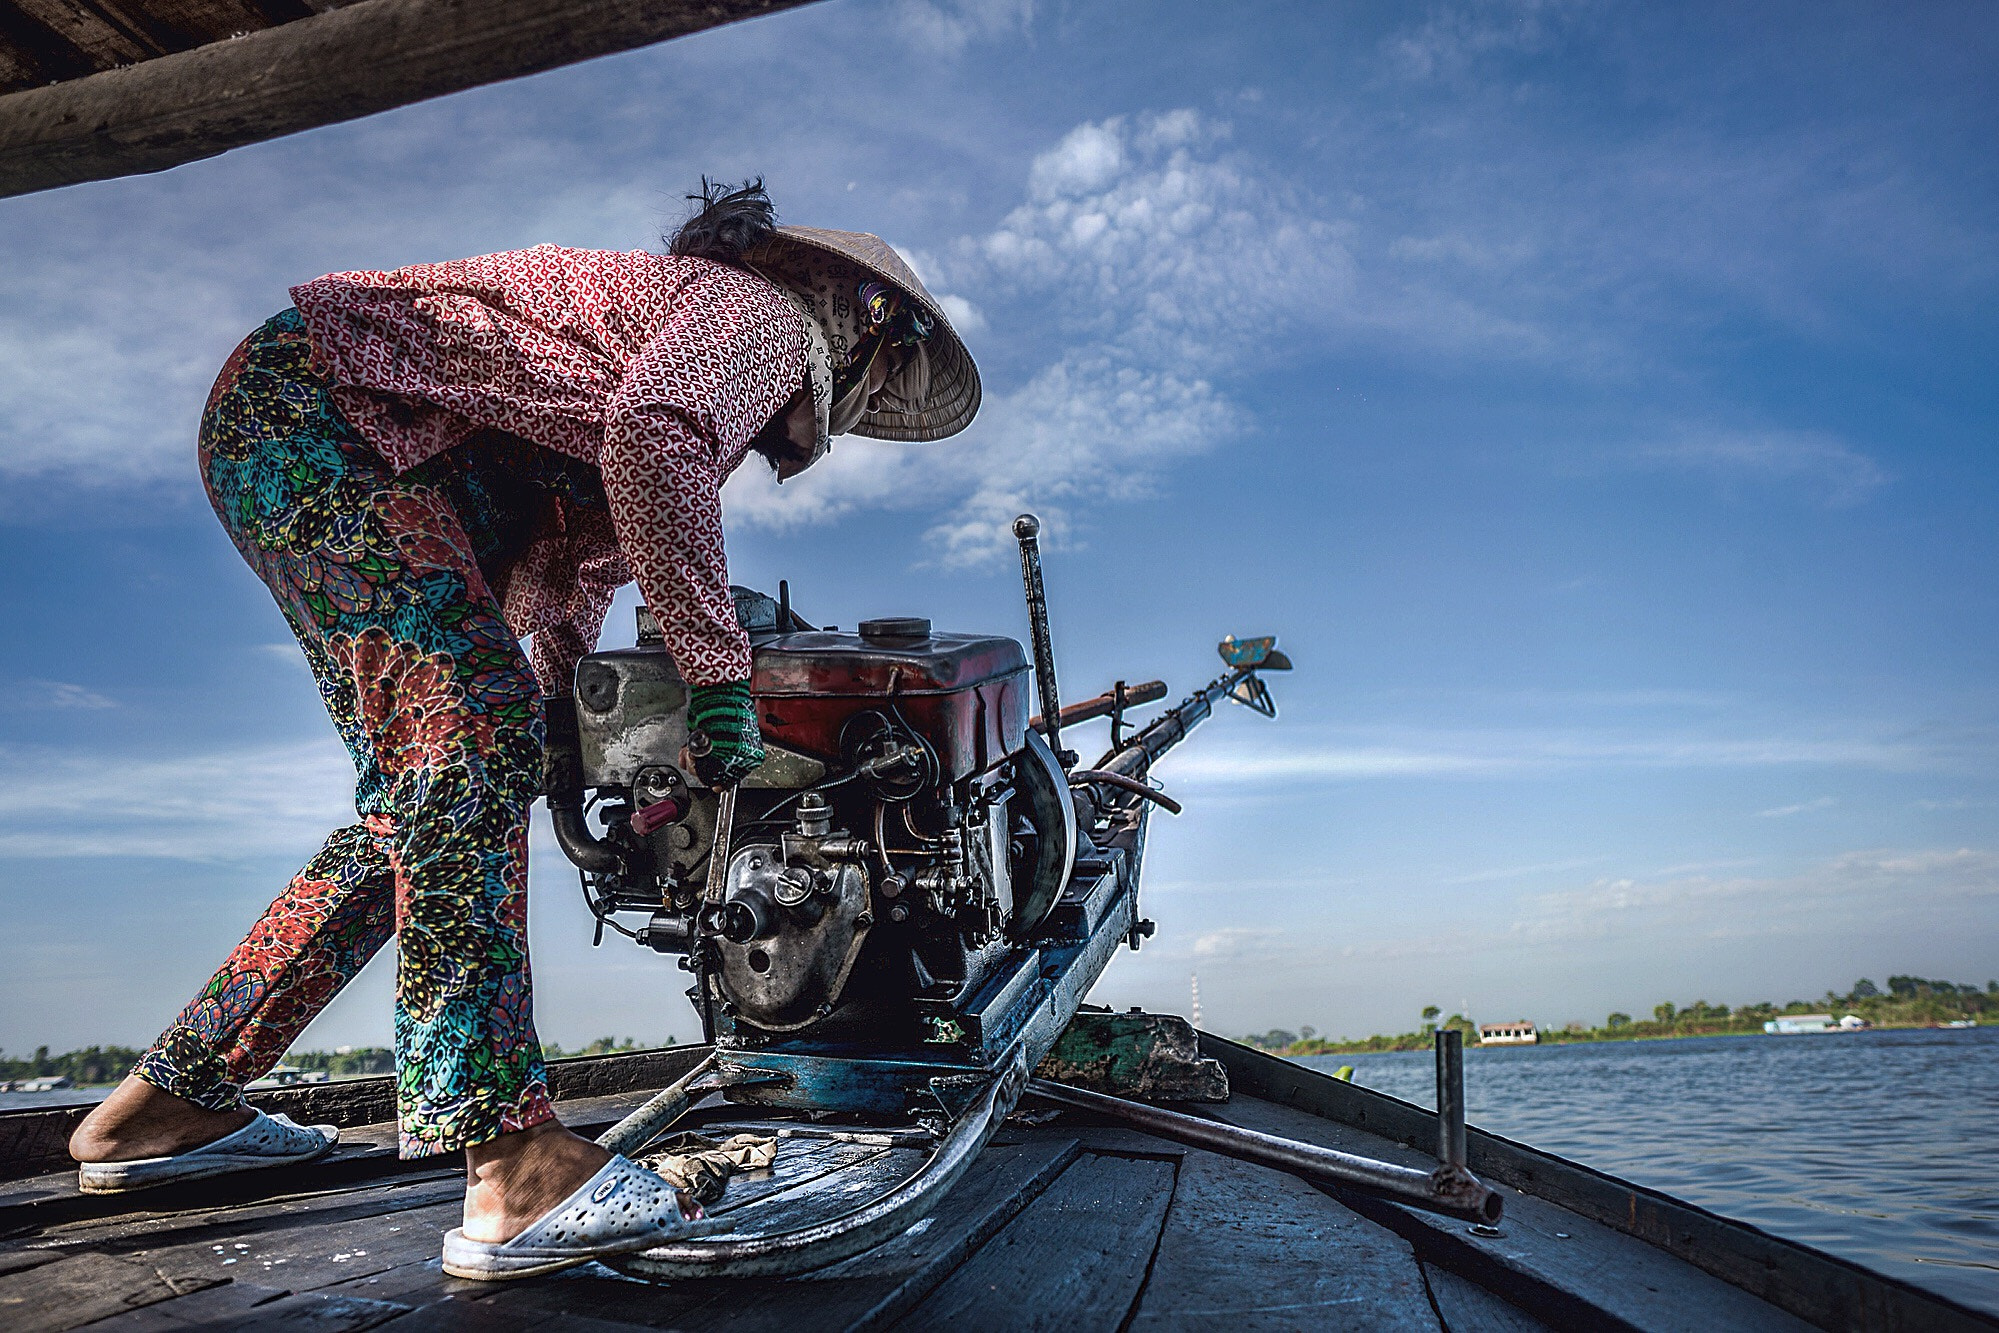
(657, 815)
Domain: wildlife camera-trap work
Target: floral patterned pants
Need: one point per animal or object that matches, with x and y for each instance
(380, 580)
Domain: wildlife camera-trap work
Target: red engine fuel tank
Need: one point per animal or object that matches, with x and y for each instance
(967, 694)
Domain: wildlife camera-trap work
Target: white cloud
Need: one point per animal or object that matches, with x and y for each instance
(1155, 264)
(1618, 912)
(1147, 236)
(1454, 38)
(1088, 158)
(199, 807)
(1802, 807)
(965, 317)
(1523, 872)
(1830, 469)
(61, 694)
(1950, 803)
(947, 27)
(1857, 884)
(1238, 944)
(1402, 752)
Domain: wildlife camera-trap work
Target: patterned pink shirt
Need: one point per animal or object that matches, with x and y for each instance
(656, 370)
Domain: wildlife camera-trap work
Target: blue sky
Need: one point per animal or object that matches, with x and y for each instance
(1599, 401)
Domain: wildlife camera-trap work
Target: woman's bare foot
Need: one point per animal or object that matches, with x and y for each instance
(512, 1180)
(138, 1121)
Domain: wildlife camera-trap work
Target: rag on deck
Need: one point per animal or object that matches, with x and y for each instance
(703, 1166)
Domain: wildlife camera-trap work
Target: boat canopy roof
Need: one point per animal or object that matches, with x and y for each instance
(114, 87)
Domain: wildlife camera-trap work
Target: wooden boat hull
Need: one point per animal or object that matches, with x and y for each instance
(1067, 1223)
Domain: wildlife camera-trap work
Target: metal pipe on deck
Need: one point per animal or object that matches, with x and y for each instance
(1450, 1190)
(1451, 1097)
(1138, 754)
(667, 1105)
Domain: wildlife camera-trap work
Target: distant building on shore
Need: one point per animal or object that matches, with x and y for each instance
(46, 1083)
(1795, 1023)
(1521, 1033)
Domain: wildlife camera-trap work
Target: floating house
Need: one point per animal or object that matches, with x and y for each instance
(1521, 1033)
(1793, 1023)
(46, 1083)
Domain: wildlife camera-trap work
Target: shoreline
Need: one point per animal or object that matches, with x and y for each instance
(1404, 1042)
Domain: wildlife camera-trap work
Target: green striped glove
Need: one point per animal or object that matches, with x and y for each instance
(722, 739)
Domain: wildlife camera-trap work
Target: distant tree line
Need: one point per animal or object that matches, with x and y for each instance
(108, 1064)
(92, 1064)
(1908, 1002)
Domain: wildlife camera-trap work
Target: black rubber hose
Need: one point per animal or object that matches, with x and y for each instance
(1124, 783)
(562, 782)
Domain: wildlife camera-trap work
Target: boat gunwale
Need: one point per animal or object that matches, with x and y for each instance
(1825, 1290)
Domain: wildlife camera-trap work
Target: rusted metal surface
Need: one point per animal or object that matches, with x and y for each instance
(1149, 1057)
(1027, 530)
(965, 693)
(1148, 692)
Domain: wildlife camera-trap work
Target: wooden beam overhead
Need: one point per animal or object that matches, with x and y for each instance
(338, 65)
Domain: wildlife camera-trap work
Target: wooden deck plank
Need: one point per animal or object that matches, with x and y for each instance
(1073, 1260)
(872, 1289)
(483, 1316)
(83, 1288)
(231, 1309)
(1466, 1307)
(159, 1230)
(197, 1310)
(1249, 1249)
(14, 1261)
(419, 1281)
(1567, 1269)
(595, 1292)
(311, 1251)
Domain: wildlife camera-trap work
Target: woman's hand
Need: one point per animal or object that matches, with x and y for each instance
(723, 741)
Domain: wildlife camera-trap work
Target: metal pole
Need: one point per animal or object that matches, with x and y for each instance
(642, 1126)
(1451, 1098)
(1452, 1191)
(1027, 529)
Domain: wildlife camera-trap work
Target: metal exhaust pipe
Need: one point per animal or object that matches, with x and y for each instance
(1027, 530)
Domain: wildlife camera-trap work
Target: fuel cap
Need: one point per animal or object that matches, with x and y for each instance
(896, 627)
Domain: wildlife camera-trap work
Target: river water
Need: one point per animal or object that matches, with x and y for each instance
(1876, 1146)
(42, 1101)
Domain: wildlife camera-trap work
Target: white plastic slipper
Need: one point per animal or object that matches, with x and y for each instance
(622, 1209)
(269, 1140)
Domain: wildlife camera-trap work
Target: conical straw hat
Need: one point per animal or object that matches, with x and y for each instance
(796, 253)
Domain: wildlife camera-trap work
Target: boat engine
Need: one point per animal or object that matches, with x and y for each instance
(906, 825)
(918, 870)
